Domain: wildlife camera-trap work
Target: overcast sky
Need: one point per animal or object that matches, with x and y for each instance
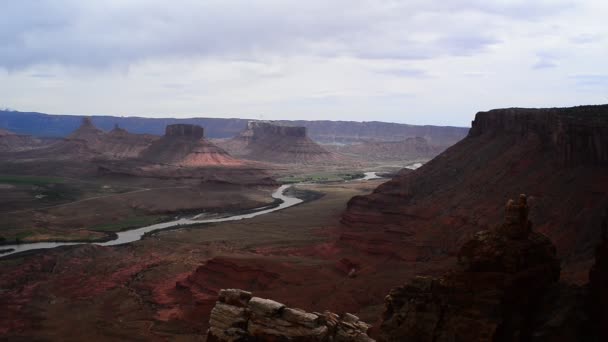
(419, 62)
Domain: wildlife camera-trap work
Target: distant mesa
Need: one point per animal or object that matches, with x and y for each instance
(116, 144)
(12, 142)
(183, 130)
(414, 148)
(185, 145)
(270, 142)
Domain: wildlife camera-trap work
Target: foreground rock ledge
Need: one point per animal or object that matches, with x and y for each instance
(238, 316)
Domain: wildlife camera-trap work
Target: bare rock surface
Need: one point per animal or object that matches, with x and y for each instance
(185, 145)
(555, 155)
(494, 294)
(271, 142)
(237, 316)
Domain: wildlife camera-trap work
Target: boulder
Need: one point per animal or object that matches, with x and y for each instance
(237, 316)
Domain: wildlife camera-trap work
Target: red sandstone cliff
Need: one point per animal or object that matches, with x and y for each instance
(558, 156)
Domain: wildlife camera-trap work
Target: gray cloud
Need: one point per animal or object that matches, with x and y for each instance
(94, 34)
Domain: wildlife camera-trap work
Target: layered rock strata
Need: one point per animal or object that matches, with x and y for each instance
(238, 316)
(185, 145)
(269, 142)
(557, 156)
(493, 296)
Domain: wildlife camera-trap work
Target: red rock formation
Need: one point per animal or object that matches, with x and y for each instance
(184, 145)
(493, 296)
(556, 155)
(11, 142)
(265, 141)
(88, 142)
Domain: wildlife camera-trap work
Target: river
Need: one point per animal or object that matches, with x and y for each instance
(137, 234)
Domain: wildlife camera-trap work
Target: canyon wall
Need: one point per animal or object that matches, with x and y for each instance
(556, 155)
(579, 135)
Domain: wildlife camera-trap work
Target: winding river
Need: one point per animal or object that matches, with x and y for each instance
(138, 233)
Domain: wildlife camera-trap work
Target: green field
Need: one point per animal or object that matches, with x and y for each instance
(325, 177)
(129, 223)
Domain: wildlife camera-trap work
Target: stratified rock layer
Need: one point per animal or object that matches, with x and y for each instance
(557, 156)
(265, 141)
(493, 296)
(184, 145)
(238, 316)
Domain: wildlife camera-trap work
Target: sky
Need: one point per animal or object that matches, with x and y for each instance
(418, 61)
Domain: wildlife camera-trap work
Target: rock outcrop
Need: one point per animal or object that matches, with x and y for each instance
(269, 142)
(557, 156)
(238, 316)
(185, 145)
(89, 142)
(11, 142)
(578, 135)
(493, 296)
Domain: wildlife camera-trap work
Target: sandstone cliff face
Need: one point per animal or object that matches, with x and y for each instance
(182, 130)
(493, 296)
(265, 141)
(578, 135)
(238, 316)
(555, 155)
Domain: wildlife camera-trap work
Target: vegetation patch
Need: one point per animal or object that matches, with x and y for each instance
(130, 223)
(325, 177)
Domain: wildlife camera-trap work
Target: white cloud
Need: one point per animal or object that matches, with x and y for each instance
(408, 61)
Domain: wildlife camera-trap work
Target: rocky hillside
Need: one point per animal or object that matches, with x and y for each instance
(11, 142)
(266, 141)
(116, 144)
(321, 131)
(416, 148)
(505, 288)
(557, 155)
(185, 145)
